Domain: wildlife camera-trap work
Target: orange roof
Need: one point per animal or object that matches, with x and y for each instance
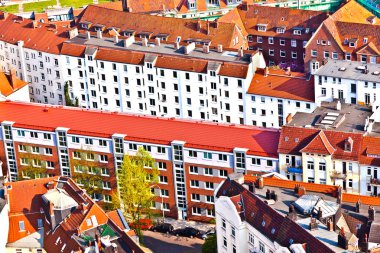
(211, 136)
(294, 139)
(73, 49)
(279, 85)
(187, 29)
(9, 83)
(44, 37)
(353, 12)
(370, 153)
(115, 217)
(124, 56)
(274, 17)
(319, 145)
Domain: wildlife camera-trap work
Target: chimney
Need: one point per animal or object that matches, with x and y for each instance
(339, 197)
(199, 25)
(206, 49)
(267, 194)
(116, 39)
(342, 239)
(301, 191)
(12, 77)
(189, 48)
(266, 71)
(99, 34)
(88, 35)
(260, 182)
(220, 48)
(244, 6)
(357, 206)
(208, 27)
(144, 42)
(273, 195)
(84, 207)
(73, 33)
(125, 5)
(370, 125)
(320, 213)
(251, 187)
(338, 106)
(240, 52)
(371, 213)
(129, 41)
(287, 72)
(216, 24)
(330, 225)
(157, 41)
(176, 45)
(35, 24)
(292, 213)
(313, 225)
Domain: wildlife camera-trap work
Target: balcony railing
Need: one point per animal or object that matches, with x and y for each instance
(374, 181)
(337, 175)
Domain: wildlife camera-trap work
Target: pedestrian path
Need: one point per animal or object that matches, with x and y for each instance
(182, 223)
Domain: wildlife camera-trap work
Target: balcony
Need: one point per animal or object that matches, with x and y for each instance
(337, 175)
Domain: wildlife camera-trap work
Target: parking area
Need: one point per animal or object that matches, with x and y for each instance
(158, 242)
(181, 224)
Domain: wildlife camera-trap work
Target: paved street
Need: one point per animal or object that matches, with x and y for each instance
(158, 243)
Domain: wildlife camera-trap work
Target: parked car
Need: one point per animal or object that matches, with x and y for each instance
(208, 233)
(187, 232)
(163, 228)
(144, 224)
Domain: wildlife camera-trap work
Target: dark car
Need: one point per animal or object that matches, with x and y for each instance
(187, 231)
(162, 227)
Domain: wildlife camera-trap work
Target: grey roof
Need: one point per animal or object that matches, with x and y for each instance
(374, 233)
(166, 49)
(150, 58)
(351, 118)
(352, 70)
(90, 50)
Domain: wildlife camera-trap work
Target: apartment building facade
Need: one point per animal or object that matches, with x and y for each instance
(280, 33)
(351, 82)
(192, 157)
(349, 34)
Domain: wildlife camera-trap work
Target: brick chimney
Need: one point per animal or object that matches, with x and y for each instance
(199, 25)
(371, 213)
(73, 33)
(88, 35)
(125, 5)
(144, 42)
(206, 49)
(208, 27)
(301, 191)
(99, 34)
(260, 182)
(35, 24)
(4, 15)
(357, 206)
(266, 71)
(12, 77)
(220, 48)
(330, 225)
(116, 39)
(244, 6)
(342, 239)
(240, 52)
(157, 41)
(313, 225)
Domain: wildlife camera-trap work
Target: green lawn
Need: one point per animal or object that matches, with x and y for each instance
(41, 6)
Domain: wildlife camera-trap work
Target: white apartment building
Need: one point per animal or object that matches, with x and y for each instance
(350, 81)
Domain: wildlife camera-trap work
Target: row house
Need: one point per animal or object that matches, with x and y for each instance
(350, 34)
(210, 9)
(350, 82)
(370, 166)
(192, 157)
(280, 33)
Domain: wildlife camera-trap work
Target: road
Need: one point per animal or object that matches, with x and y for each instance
(158, 243)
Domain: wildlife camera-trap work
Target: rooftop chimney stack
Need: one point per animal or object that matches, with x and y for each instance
(189, 48)
(206, 49)
(260, 182)
(116, 39)
(129, 41)
(288, 72)
(176, 45)
(220, 48)
(73, 33)
(144, 42)
(313, 223)
(244, 6)
(240, 52)
(99, 34)
(208, 27)
(330, 225)
(199, 25)
(357, 206)
(35, 24)
(158, 42)
(338, 105)
(88, 35)
(371, 213)
(266, 71)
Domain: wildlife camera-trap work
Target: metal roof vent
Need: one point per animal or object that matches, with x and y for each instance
(342, 69)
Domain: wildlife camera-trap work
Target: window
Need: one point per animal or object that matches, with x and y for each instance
(21, 133)
(222, 157)
(209, 185)
(34, 134)
(196, 210)
(161, 150)
(90, 157)
(21, 225)
(35, 150)
(282, 53)
(261, 247)
(271, 52)
(132, 146)
(48, 151)
(207, 155)
(22, 148)
(269, 163)
(240, 160)
(193, 169)
(259, 39)
(282, 42)
(270, 40)
(103, 143)
(350, 183)
(49, 164)
(310, 163)
(313, 53)
(251, 239)
(208, 172)
(103, 158)
(210, 199)
(194, 183)
(88, 141)
(256, 161)
(161, 165)
(195, 197)
(105, 172)
(233, 233)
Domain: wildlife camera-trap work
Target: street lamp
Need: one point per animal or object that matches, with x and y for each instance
(162, 201)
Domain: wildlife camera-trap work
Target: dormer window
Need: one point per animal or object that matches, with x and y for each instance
(297, 31)
(192, 4)
(262, 27)
(280, 30)
(307, 30)
(345, 41)
(348, 143)
(365, 40)
(352, 42)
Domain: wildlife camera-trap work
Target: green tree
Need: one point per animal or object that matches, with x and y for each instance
(135, 177)
(86, 173)
(31, 167)
(210, 245)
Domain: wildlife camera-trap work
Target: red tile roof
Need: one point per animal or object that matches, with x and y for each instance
(370, 152)
(275, 17)
(276, 227)
(187, 29)
(9, 83)
(294, 139)
(279, 85)
(319, 145)
(43, 38)
(353, 12)
(211, 136)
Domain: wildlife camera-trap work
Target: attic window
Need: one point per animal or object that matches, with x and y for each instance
(178, 39)
(88, 222)
(286, 138)
(291, 241)
(365, 40)
(273, 231)
(345, 41)
(262, 27)
(263, 224)
(296, 139)
(63, 247)
(352, 44)
(307, 30)
(252, 214)
(297, 32)
(280, 30)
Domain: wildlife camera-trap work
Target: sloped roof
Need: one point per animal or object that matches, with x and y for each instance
(269, 222)
(293, 140)
(279, 85)
(275, 17)
(10, 83)
(211, 136)
(319, 145)
(370, 151)
(353, 12)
